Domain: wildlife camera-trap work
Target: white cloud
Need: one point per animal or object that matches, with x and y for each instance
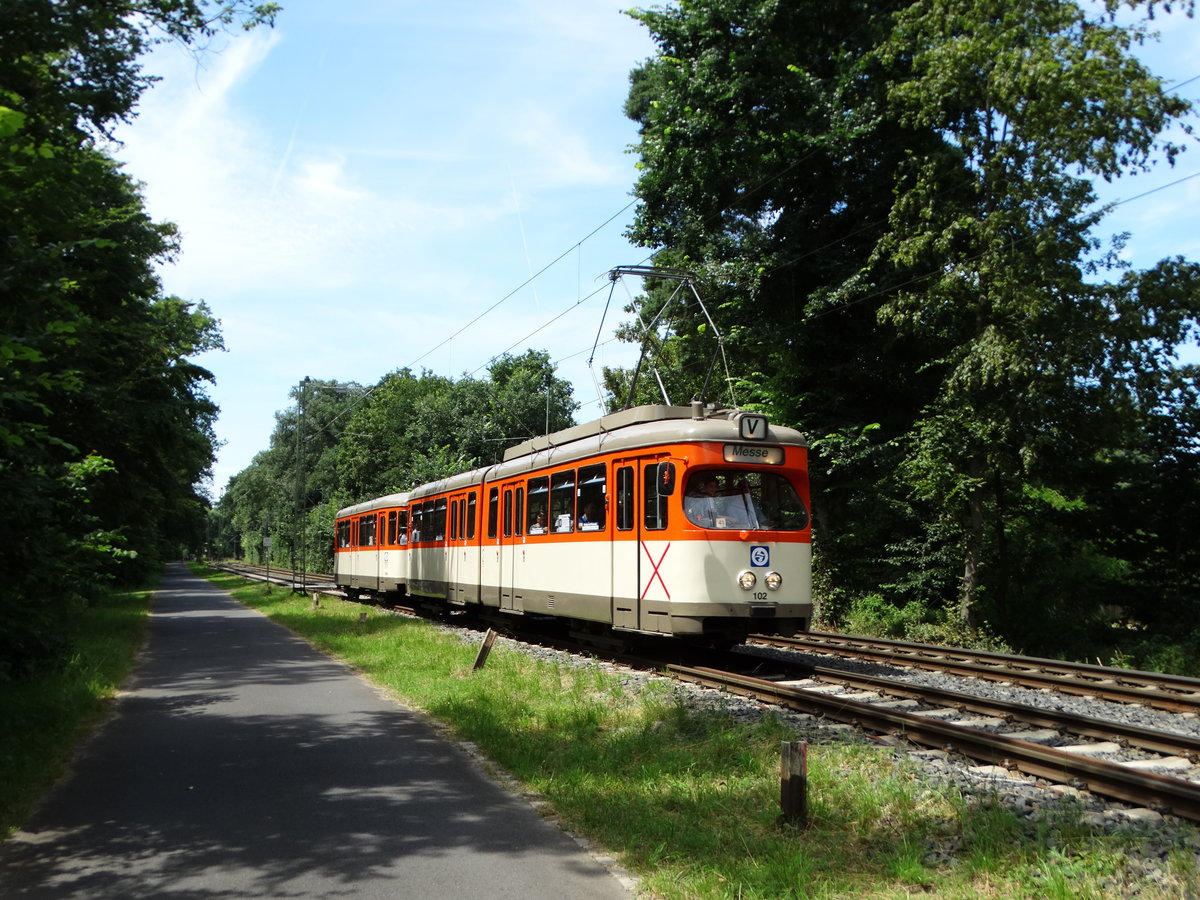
(361, 183)
(251, 212)
(326, 179)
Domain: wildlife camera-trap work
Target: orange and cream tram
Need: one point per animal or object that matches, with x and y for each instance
(369, 543)
(689, 522)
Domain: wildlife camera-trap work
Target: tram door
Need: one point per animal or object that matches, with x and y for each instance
(455, 535)
(508, 554)
(381, 555)
(492, 552)
(626, 547)
(466, 572)
(641, 597)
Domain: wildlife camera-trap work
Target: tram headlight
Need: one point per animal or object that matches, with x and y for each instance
(747, 580)
(774, 581)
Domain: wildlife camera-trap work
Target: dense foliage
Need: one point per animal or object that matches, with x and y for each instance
(341, 444)
(105, 425)
(891, 207)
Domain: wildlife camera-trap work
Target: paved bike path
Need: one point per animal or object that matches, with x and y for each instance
(242, 763)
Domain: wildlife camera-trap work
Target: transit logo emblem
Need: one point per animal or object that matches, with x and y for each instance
(760, 556)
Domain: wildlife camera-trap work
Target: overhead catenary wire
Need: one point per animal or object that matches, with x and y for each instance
(523, 284)
(751, 191)
(366, 394)
(791, 261)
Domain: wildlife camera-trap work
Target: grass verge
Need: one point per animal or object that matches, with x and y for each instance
(689, 800)
(45, 716)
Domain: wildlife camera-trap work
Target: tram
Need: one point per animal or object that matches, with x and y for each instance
(688, 522)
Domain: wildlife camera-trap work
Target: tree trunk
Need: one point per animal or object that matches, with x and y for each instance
(972, 546)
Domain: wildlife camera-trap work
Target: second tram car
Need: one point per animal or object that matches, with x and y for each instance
(689, 522)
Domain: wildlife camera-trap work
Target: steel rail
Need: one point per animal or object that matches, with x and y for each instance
(1128, 735)
(1170, 692)
(1182, 683)
(1107, 779)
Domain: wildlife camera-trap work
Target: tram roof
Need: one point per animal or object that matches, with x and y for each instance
(627, 429)
(378, 503)
(660, 424)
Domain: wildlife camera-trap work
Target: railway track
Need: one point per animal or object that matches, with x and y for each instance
(1129, 781)
(1173, 693)
(308, 581)
(1039, 741)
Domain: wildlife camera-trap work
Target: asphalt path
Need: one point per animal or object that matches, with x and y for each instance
(242, 763)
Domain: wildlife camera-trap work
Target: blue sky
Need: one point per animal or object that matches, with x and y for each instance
(358, 185)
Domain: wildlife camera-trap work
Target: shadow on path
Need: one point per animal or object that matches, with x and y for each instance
(243, 763)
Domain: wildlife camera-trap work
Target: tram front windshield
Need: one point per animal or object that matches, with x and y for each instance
(738, 499)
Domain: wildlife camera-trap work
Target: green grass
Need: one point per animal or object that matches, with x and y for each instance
(689, 801)
(44, 717)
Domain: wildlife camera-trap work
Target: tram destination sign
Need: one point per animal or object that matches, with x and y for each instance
(753, 453)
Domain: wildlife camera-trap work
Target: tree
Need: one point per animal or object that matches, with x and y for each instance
(897, 231)
(105, 426)
(74, 68)
(1000, 225)
(527, 400)
(356, 443)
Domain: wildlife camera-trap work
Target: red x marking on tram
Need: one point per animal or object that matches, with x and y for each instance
(656, 574)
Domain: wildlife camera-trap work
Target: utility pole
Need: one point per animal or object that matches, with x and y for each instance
(300, 485)
(266, 542)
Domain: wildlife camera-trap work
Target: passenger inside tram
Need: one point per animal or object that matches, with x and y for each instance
(743, 499)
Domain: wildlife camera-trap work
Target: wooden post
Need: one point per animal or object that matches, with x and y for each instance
(316, 601)
(485, 649)
(793, 782)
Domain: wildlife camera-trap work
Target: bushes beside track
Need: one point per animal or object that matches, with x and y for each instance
(46, 714)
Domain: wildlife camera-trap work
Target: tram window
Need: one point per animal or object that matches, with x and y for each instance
(743, 499)
(656, 503)
(391, 528)
(439, 521)
(508, 513)
(592, 490)
(471, 504)
(493, 504)
(625, 498)
(539, 504)
(402, 526)
(366, 531)
(562, 501)
(343, 533)
(428, 525)
(454, 520)
(417, 522)
(519, 517)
